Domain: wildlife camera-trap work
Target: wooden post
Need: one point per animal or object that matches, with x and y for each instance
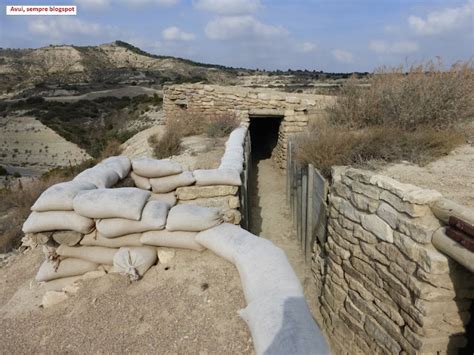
(304, 206)
(311, 214)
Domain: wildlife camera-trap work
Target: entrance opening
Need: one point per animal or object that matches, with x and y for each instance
(264, 138)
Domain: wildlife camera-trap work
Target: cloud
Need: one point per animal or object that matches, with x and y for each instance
(400, 47)
(445, 20)
(228, 7)
(306, 47)
(239, 27)
(64, 27)
(132, 3)
(343, 56)
(173, 33)
(93, 4)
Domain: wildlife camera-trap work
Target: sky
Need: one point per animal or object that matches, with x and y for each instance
(328, 35)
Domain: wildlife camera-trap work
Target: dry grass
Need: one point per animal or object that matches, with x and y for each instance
(191, 124)
(113, 148)
(422, 95)
(416, 116)
(328, 145)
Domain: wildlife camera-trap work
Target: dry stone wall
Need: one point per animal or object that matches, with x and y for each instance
(296, 110)
(383, 287)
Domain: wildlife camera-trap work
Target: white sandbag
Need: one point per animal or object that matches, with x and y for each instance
(171, 183)
(69, 238)
(234, 165)
(154, 168)
(57, 221)
(97, 239)
(217, 177)
(98, 255)
(59, 284)
(59, 196)
(66, 268)
(192, 218)
(140, 181)
(134, 261)
(232, 156)
(225, 240)
(153, 218)
(282, 325)
(185, 240)
(169, 198)
(237, 137)
(120, 164)
(100, 175)
(125, 202)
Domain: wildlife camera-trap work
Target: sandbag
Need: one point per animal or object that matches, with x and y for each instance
(225, 240)
(134, 261)
(232, 164)
(169, 198)
(140, 181)
(282, 325)
(171, 183)
(237, 137)
(57, 221)
(98, 255)
(153, 218)
(100, 175)
(66, 268)
(97, 239)
(217, 177)
(125, 202)
(69, 238)
(192, 218)
(120, 164)
(154, 168)
(185, 240)
(59, 196)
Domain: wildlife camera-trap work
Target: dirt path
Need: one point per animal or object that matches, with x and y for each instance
(187, 307)
(271, 219)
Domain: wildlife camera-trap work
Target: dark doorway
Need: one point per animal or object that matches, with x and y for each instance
(264, 136)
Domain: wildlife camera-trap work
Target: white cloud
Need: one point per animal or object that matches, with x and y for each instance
(445, 20)
(173, 33)
(150, 2)
(237, 27)
(228, 7)
(306, 47)
(92, 4)
(343, 56)
(400, 47)
(63, 27)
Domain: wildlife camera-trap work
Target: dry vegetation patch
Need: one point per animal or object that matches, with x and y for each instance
(169, 143)
(416, 115)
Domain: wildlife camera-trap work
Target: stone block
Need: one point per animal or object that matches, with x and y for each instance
(364, 235)
(373, 254)
(388, 214)
(411, 209)
(377, 226)
(364, 203)
(194, 192)
(376, 331)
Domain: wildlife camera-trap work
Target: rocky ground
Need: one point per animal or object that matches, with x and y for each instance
(188, 305)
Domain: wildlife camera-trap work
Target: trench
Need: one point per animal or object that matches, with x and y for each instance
(269, 214)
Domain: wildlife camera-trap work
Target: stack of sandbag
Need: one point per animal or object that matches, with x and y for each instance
(183, 224)
(107, 173)
(160, 176)
(276, 313)
(233, 157)
(53, 214)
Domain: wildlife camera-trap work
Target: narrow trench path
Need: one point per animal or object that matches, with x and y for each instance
(270, 218)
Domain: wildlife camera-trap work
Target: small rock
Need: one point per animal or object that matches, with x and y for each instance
(52, 298)
(165, 255)
(72, 288)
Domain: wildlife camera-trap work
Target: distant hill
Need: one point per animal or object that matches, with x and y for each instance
(81, 69)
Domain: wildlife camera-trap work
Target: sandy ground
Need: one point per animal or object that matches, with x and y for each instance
(190, 308)
(199, 152)
(452, 175)
(271, 219)
(31, 148)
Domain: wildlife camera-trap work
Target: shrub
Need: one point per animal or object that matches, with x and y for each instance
(112, 148)
(222, 125)
(167, 145)
(423, 95)
(329, 145)
(3, 171)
